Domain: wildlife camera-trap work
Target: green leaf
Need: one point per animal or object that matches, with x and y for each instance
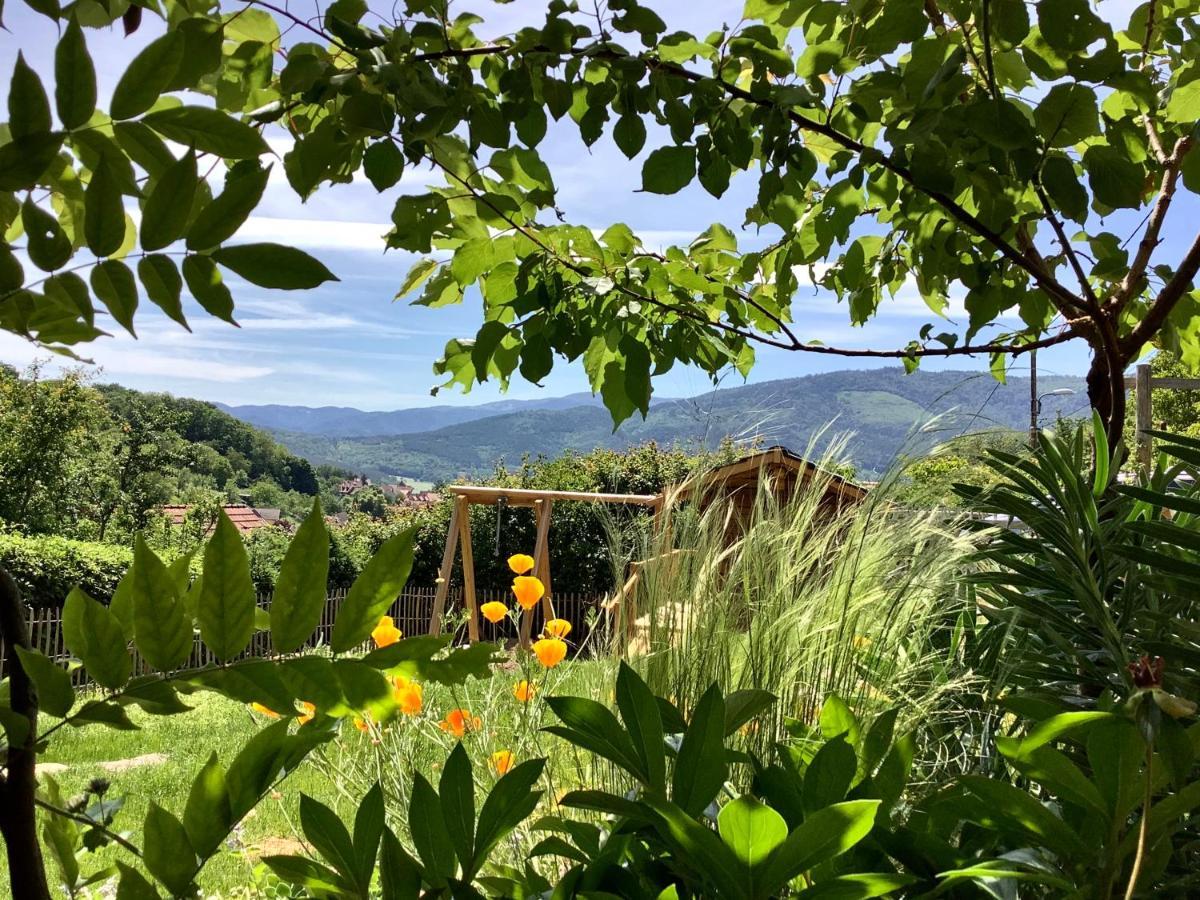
(28, 105)
(163, 285)
(162, 634)
(669, 169)
(830, 774)
(24, 160)
(74, 78)
(93, 633)
(591, 726)
(329, 837)
(45, 241)
(166, 212)
(639, 710)
(1183, 107)
(1062, 184)
(373, 591)
(383, 164)
(473, 259)
(207, 818)
(274, 266)
(837, 718)
(104, 212)
(1014, 812)
(630, 134)
(416, 276)
(300, 587)
(507, 805)
(457, 792)
(53, 682)
(1067, 115)
(227, 600)
(114, 284)
(221, 218)
(205, 284)
(1115, 180)
(368, 829)
(208, 131)
(699, 848)
(751, 830)
(427, 826)
(742, 706)
(167, 852)
(825, 834)
(399, 875)
(700, 767)
(860, 886)
(146, 76)
(133, 885)
(305, 873)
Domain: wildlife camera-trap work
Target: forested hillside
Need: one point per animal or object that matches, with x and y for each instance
(878, 409)
(96, 462)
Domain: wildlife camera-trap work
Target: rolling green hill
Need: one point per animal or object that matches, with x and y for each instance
(876, 409)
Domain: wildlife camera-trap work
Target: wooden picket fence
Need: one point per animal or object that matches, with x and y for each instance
(410, 611)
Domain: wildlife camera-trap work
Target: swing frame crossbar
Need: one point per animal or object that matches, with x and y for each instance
(459, 536)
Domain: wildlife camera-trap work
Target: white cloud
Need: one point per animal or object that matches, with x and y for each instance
(316, 233)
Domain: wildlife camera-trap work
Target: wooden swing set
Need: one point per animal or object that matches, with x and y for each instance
(542, 502)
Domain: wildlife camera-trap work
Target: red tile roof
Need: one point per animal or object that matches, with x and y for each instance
(245, 518)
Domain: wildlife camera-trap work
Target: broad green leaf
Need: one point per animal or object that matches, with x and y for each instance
(166, 212)
(302, 872)
(208, 131)
(206, 285)
(1184, 106)
(226, 608)
(1067, 115)
(274, 266)
(399, 875)
(329, 837)
(104, 213)
(592, 726)
(162, 634)
(837, 718)
(300, 587)
(28, 105)
(163, 285)
(473, 259)
(427, 826)
(751, 830)
(825, 834)
(669, 170)
(630, 134)
(368, 829)
(639, 711)
(206, 818)
(456, 788)
(699, 848)
(146, 76)
(53, 682)
(830, 774)
(862, 886)
(417, 275)
(114, 284)
(166, 851)
(1015, 812)
(700, 767)
(24, 160)
(134, 885)
(228, 211)
(74, 78)
(510, 801)
(45, 241)
(93, 633)
(383, 164)
(742, 706)
(1062, 184)
(373, 591)
(1115, 180)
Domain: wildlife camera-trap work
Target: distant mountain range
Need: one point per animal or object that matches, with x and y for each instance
(879, 411)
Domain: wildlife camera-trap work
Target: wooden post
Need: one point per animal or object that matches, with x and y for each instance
(468, 563)
(1143, 413)
(540, 551)
(1034, 406)
(443, 584)
(542, 561)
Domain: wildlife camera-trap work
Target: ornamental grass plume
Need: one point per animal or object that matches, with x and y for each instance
(408, 694)
(550, 651)
(528, 590)
(520, 563)
(386, 633)
(459, 721)
(494, 611)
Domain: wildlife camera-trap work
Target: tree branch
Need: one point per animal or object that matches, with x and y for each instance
(91, 823)
(1166, 301)
(1068, 250)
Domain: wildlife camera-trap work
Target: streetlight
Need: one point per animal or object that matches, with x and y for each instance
(1035, 425)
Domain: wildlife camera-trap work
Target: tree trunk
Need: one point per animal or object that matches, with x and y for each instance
(18, 815)
(1106, 393)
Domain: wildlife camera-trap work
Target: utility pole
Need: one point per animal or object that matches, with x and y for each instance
(1033, 401)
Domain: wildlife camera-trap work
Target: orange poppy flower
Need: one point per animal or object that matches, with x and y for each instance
(550, 651)
(502, 761)
(520, 563)
(309, 711)
(264, 710)
(494, 611)
(409, 695)
(459, 721)
(386, 633)
(557, 628)
(524, 691)
(362, 723)
(528, 590)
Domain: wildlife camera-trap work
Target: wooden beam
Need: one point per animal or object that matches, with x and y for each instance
(528, 497)
(468, 563)
(1143, 413)
(540, 551)
(443, 582)
(542, 565)
(1170, 384)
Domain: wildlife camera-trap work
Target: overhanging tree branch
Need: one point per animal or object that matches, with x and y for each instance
(1166, 301)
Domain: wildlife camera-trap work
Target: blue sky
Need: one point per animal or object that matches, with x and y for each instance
(348, 343)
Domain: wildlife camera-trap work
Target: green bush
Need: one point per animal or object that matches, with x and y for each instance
(46, 567)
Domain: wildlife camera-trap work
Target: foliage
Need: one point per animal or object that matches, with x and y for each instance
(48, 566)
(928, 481)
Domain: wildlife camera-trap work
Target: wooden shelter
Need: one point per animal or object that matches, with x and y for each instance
(738, 482)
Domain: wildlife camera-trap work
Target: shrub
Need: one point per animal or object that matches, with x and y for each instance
(46, 567)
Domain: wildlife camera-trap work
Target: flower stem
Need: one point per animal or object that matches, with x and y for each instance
(1144, 827)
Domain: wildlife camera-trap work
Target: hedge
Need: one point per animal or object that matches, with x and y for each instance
(47, 566)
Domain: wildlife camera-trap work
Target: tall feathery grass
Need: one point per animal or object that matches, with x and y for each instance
(804, 600)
